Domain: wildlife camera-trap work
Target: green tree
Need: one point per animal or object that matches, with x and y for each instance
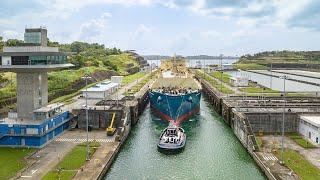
(53, 43)
(77, 60)
(14, 42)
(1, 43)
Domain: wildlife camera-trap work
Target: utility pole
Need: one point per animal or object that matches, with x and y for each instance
(271, 76)
(86, 77)
(221, 56)
(283, 117)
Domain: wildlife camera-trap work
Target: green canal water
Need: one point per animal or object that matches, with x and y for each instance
(212, 152)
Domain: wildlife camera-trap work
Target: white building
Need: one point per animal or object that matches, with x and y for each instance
(211, 68)
(116, 79)
(226, 67)
(309, 126)
(101, 90)
(148, 69)
(239, 81)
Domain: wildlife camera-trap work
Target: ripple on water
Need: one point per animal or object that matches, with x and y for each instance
(212, 151)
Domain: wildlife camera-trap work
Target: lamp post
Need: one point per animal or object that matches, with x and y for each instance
(283, 116)
(271, 76)
(86, 77)
(221, 56)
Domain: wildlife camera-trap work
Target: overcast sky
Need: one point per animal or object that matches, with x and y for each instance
(187, 27)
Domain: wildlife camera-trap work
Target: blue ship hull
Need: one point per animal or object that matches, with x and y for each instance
(175, 108)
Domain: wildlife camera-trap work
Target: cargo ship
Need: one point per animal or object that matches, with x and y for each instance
(175, 95)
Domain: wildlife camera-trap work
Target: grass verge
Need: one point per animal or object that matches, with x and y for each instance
(225, 77)
(303, 168)
(214, 83)
(259, 141)
(132, 77)
(257, 90)
(12, 160)
(70, 164)
(250, 66)
(296, 137)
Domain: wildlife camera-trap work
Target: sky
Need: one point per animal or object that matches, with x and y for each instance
(167, 27)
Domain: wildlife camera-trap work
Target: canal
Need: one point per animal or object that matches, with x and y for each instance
(212, 152)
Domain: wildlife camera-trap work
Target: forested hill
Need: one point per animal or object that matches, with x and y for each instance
(282, 57)
(94, 54)
(93, 59)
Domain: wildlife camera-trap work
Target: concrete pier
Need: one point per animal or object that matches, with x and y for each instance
(249, 115)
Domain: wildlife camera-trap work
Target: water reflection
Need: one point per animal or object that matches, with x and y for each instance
(212, 151)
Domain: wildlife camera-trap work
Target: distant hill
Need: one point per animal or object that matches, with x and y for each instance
(155, 57)
(94, 59)
(210, 57)
(281, 59)
(159, 57)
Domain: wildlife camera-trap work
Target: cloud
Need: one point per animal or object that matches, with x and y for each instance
(210, 34)
(10, 34)
(94, 29)
(181, 42)
(307, 17)
(63, 8)
(243, 33)
(290, 13)
(285, 13)
(143, 29)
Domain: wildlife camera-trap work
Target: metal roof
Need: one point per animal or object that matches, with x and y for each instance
(49, 107)
(34, 53)
(32, 68)
(312, 119)
(101, 87)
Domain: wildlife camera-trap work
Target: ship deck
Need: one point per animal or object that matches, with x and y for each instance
(176, 82)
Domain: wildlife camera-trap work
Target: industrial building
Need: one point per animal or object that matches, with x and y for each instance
(101, 90)
(239, 81)
(309, 127)
(226, 67)
(34, 122)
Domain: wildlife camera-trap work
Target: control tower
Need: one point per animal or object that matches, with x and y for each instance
(31, 61)
(36, 122)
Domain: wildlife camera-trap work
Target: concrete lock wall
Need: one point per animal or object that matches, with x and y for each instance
(243, 130)
(272, 122)
(99, 119)
(32, 93)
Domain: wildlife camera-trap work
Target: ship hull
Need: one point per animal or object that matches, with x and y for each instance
(175, 108)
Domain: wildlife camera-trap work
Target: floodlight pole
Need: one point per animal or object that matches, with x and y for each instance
(283, 117)
(271, 76)
(86, 77)
(221, 56)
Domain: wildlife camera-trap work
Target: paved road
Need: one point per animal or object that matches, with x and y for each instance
(235, 89)
(79, 102)
(271, 143)
(312, 154)
(48, 157)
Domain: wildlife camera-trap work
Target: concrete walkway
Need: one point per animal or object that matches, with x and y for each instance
(235, 89)
(101, 158)
(47, 158)
(79, 102)
(279, 171)
(311, 154)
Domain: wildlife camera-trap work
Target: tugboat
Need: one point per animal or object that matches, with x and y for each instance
(172, 139)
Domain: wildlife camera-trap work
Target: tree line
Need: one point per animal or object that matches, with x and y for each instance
(83, 53)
